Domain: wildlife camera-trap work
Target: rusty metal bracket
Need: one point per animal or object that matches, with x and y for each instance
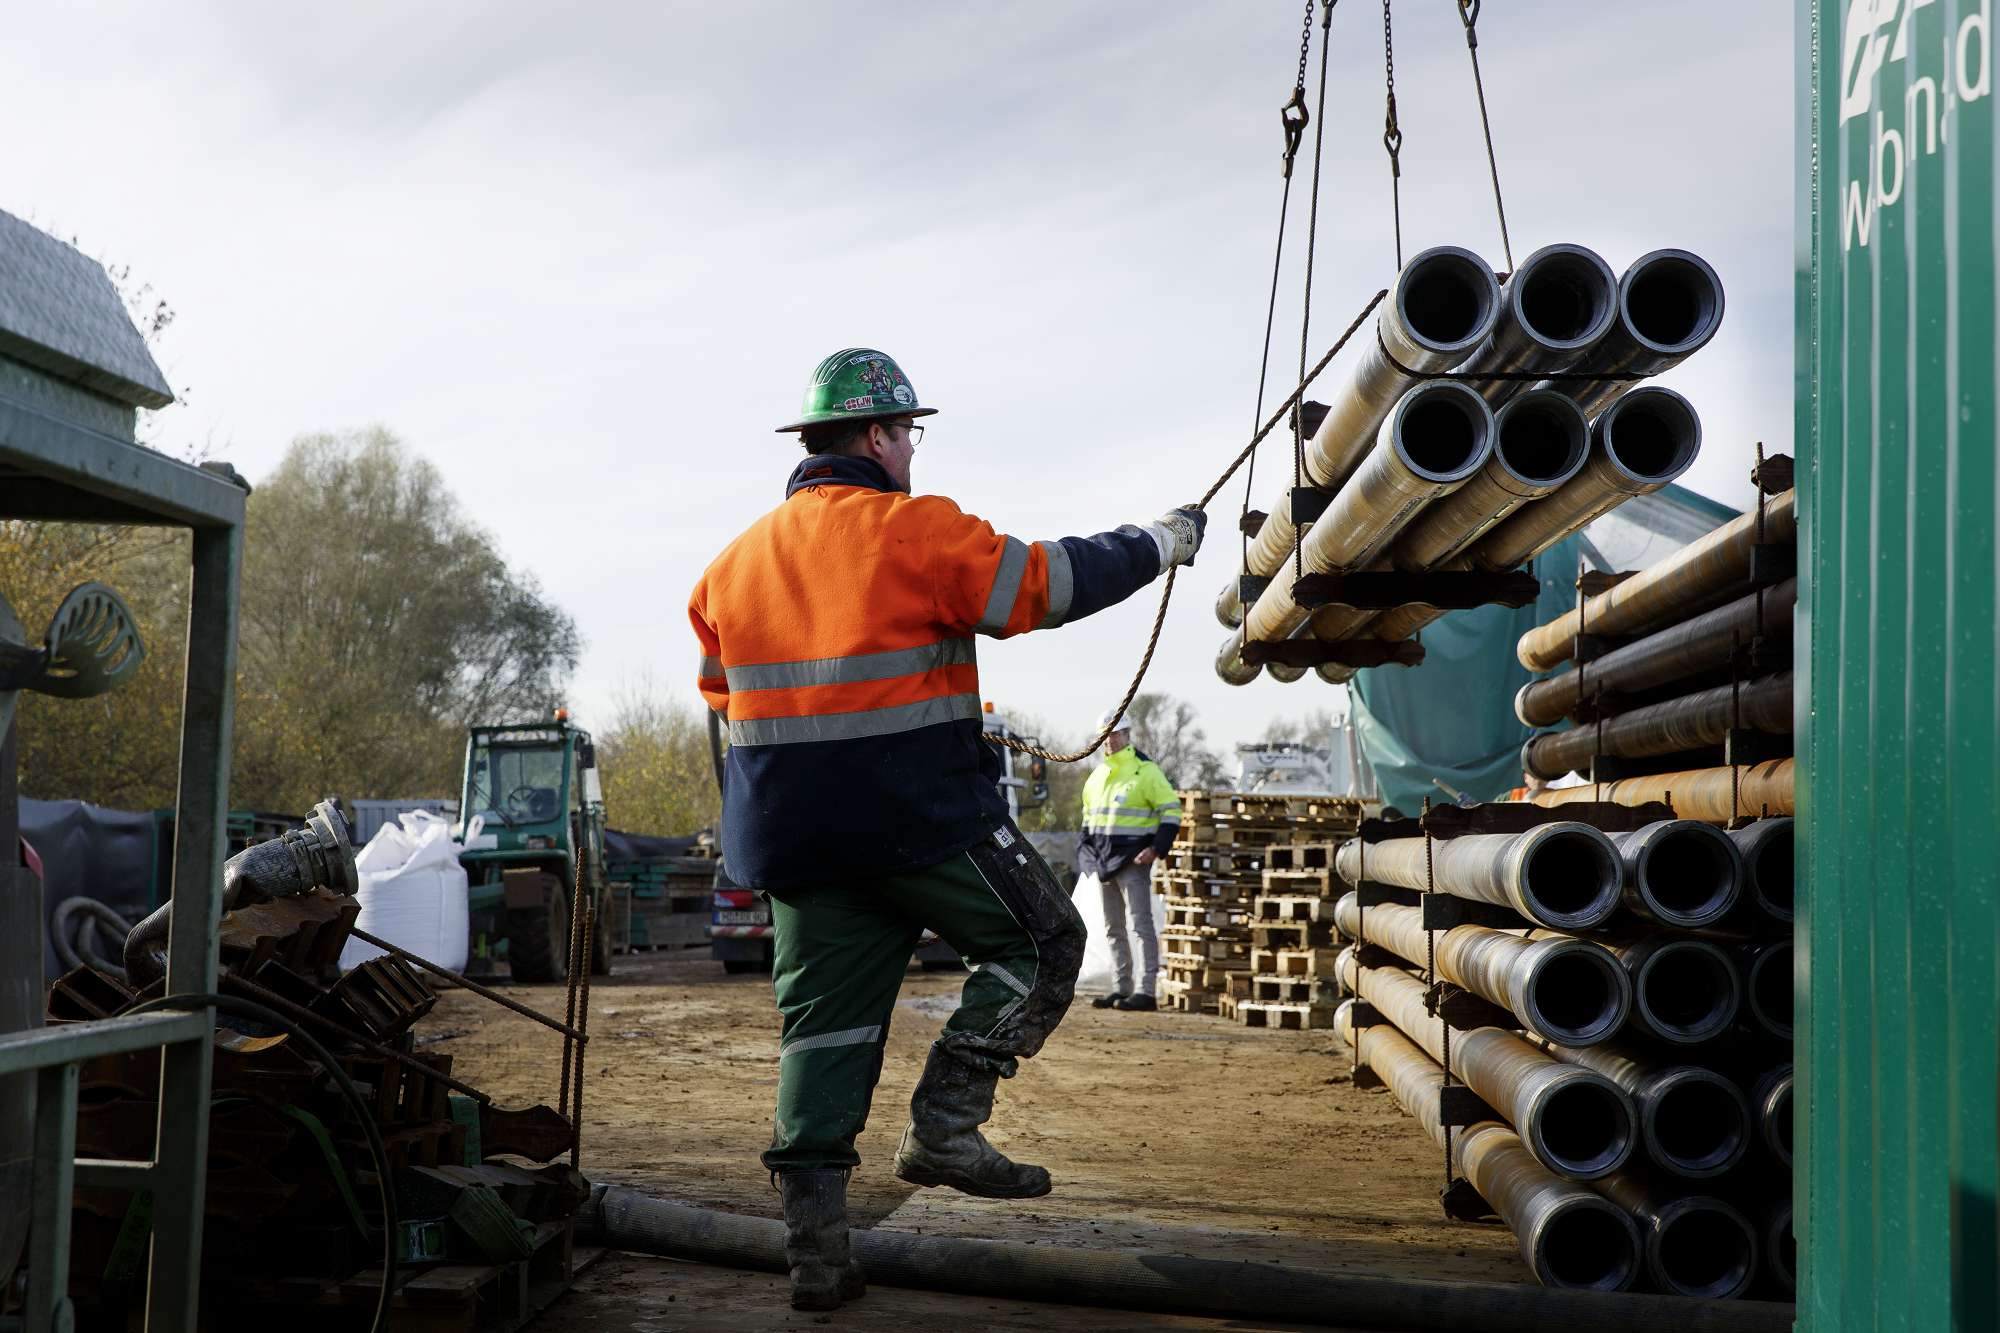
(1443, 911)
(1386, 590)
(1252, 522)
(1372, 894)
(1357, 653)
(1306, 504)
(1459, 1106)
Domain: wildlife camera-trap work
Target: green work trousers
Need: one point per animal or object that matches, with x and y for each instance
(841, 953)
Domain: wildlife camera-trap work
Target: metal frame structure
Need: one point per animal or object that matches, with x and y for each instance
(62, 459)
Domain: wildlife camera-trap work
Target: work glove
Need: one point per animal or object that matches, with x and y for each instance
(1178, 533)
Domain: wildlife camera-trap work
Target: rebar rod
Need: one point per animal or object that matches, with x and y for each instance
(1695, 793)
(1565, 875)
(460, 979)
(1687, 723)
(1703, 644)
(1571, 989)
(1693, 1122)
(1680, 872)
(1569, 1235)
(1707, 570)
(1577, 1123)
(300, 1014)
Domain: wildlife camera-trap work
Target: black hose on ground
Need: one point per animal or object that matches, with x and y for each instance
(625, 1219)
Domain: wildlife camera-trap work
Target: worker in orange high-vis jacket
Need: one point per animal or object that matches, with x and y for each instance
(837, 640)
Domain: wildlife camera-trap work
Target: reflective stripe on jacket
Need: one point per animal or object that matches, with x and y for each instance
(1128, 805)
(836, 637)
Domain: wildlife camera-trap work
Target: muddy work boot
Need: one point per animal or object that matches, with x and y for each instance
(942, 1144)
(823, 1273)
(1140, 1003)
(1108, 1000)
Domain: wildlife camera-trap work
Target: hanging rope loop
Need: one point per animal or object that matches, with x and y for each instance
(1468, 14)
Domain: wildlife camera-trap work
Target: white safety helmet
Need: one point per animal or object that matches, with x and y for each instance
(1114, 721)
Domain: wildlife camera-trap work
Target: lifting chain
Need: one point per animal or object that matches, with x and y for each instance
(1392, 133)
(1312, 242)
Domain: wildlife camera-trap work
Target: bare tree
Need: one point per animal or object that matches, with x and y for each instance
(1166, 729)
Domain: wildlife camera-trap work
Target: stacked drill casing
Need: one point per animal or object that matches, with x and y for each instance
(1234, 884)
(1618, 1001)
(1682, 687)
(1425, 476)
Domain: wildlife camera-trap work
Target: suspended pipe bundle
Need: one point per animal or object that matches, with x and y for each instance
(1569, 1235)
(1680, 872)
(1434, 438)
(1669, 306)
(1692, 579)
(1646, 440)
(1696, 793)
(1577, 1123)
(1442, 309)
(1693, 1122)
(1767, 850)
(1570, 989)
(1684, 991)
(1687, 723)
(1765, 967)
(1567, 875)
(1690, 648)
(1693, 1245)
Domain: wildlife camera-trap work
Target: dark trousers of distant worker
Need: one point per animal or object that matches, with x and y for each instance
(841, 953)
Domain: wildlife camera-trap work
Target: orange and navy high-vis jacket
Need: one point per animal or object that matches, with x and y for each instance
(836, 638)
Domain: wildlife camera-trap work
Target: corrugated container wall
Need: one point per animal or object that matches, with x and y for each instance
(1899, 820)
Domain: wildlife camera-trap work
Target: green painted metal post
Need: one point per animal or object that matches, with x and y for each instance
(1899, 800)
(48, 1242)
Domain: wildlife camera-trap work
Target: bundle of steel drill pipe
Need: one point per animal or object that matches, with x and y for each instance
(1697, 793)
(1680, 872)
(1437, 435)
(1771, 1101)
(1688, 723)
(1767, 851)
(1766, 969)
(1641, 443)
(1571, 989)
(1693, 1245)
(1569, 1235)
(1577, 1123)
(1690, 649)
(1685, 991)
(1780, 1248)
(1696, 577)
(1693, 1122)
(1565, 875)
(1442, 309)
(1669, 306)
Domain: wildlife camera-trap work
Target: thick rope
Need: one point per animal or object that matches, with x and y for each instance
(1167, 592)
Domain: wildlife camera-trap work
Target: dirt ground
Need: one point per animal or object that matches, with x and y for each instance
(1166, 1133)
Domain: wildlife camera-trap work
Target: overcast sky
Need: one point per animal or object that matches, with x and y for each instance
(583, 257)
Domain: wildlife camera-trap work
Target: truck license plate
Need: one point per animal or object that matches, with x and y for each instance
(742, 918)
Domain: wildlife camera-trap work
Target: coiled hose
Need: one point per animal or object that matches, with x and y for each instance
(78, 950)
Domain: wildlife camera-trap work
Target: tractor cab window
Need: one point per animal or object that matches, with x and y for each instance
(515, 784)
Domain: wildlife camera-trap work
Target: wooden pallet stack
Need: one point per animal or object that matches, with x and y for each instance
(1228, 918)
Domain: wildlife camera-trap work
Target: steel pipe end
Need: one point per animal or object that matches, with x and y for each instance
(1670, 302)
(1229, 606)
(1347, 969)
(1283, 674)
(1768, 849)
(1649, 436)
(1574, 992)
(1580, 1124)
(1343, 1021)
(1572, 1238)
(1700, 1246)
(1564, 297)
(1333, 673)
(1521, 710)
(1531, 760)
(1229, 663)
(1442, 431)
(1541, 439)
(1445, 303)
(1771, 1096)
(1767, 987)
(1565, 875)
(1694, 1122)
(1685, 992)
(1781, 1248)
(1682, 872)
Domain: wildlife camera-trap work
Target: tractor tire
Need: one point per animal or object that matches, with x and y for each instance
(538, 940)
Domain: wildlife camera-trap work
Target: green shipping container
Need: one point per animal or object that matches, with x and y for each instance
(1900, 1001)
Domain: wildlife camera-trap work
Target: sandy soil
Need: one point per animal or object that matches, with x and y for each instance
(1165, 1133)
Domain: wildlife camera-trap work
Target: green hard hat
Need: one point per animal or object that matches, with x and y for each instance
(854, 384)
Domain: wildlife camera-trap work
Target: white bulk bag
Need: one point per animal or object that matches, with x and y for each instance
(413, 891)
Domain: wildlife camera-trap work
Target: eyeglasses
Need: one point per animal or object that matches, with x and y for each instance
(916, 431)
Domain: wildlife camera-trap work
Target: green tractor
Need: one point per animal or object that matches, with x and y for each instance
(535, 788)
